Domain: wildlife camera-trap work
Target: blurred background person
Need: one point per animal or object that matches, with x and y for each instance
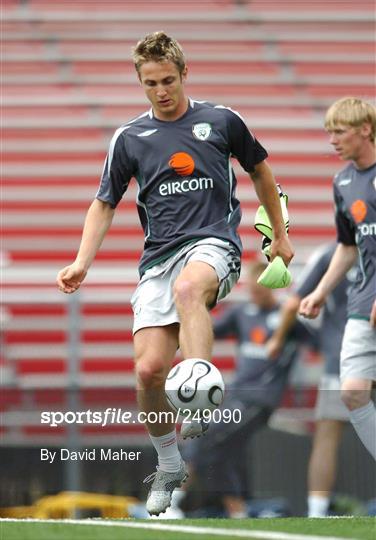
(331, 414)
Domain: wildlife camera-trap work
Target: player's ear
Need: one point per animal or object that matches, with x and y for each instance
(184, 74)
(366, 130)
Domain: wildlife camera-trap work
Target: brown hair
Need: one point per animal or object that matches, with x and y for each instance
(255, 268)
(352, 112)
(158, 47)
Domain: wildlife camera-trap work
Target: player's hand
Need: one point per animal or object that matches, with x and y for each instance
(310, 305)
(282, 247)
(273, 347)
(70, 278)
(373, 315)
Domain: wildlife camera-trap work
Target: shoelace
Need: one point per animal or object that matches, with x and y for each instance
(150, 478)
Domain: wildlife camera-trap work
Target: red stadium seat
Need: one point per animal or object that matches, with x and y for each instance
(68, 82)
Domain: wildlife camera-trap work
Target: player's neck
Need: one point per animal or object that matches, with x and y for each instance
(174, 115)
(367, 157)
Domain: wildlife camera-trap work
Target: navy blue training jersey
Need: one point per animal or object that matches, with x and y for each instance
(262, 377)
(355, 201)
(186, 185)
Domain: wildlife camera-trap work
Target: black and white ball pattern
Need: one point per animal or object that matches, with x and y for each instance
(194, 384)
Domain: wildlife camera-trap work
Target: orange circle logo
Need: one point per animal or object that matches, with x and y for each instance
(358, 210)
(182, 163)
(257, 335)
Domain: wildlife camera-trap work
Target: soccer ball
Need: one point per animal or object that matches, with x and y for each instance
(194, 384)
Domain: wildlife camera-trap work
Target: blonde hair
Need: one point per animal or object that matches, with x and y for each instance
(158, 47)
(352, 112)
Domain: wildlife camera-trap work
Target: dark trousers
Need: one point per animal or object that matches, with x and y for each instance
(220, 457)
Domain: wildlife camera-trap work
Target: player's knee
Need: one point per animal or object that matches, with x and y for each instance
(186, 292)
(150, 372)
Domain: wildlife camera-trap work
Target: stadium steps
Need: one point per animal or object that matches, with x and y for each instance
(80, 87)
(36, 340)
(243, 74)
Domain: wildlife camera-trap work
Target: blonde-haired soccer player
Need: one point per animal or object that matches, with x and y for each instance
(351, 124)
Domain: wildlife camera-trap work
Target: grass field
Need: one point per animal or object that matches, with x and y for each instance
(190, 529)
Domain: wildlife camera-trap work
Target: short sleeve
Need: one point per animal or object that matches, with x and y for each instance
(243, 145)
(345, 226)
(117, 171)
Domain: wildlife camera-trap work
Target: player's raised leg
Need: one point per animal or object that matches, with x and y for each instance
(155, 348)
(195, 290)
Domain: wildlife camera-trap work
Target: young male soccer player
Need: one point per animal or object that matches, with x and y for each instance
(179, 152)
(331, 413)
(351, 123)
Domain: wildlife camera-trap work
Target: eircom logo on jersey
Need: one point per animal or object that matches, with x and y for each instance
(183, 186)
(184, 165)
(367, 229)
(359, 212)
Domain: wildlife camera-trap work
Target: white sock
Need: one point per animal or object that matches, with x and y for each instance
(176, 497)
(169, 458)
(238, 515)
(318, 506)
(364, 421)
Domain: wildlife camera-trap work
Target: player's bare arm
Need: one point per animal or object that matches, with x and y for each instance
(343, 259)
(97, 223)
(267, 194)
(288, 317)
(373, 315)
